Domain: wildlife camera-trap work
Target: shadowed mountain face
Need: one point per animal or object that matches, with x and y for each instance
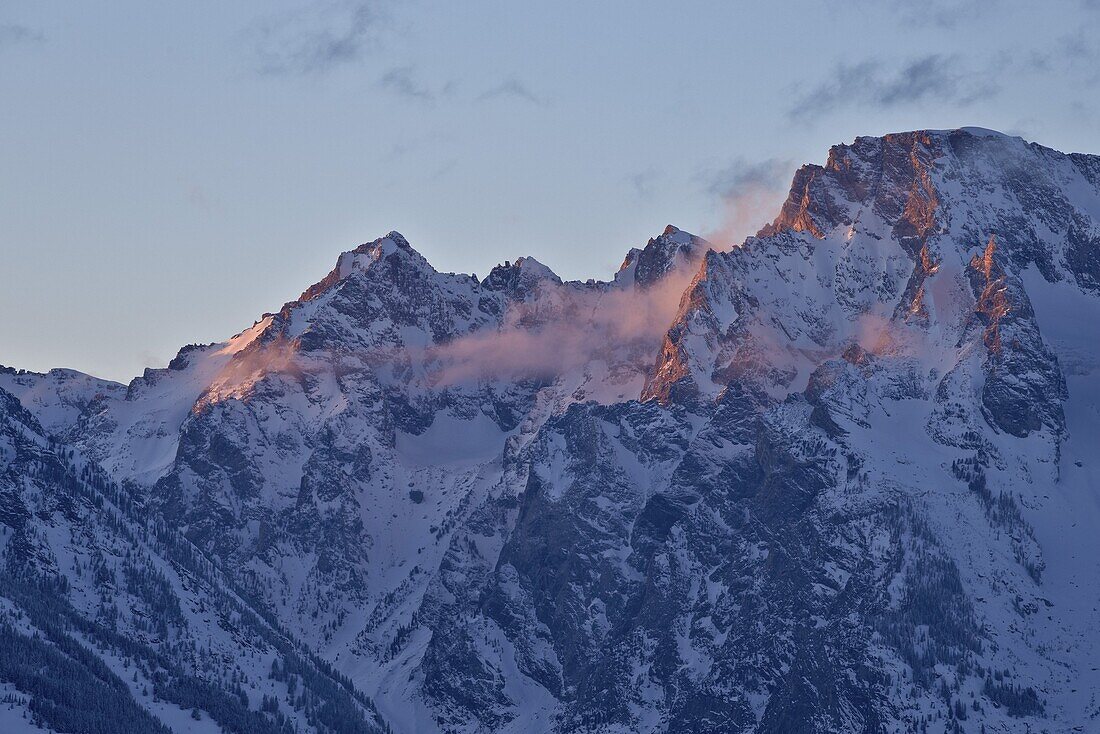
(839, 478)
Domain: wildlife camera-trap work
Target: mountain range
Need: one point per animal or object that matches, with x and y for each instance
(841, 477)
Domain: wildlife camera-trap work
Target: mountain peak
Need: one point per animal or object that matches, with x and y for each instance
(941, 186)
(389, 243)
(661, 255)
(518, 279)
(363, 257)
(675, 233)
(881, 417)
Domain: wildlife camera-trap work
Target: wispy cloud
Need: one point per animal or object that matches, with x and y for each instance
(874, 84)
(579, 327)
(1080, 52)
(749, 195)
(402, 81)
(12, 34)
(643, 182)
(317, 39)
(511, 87)
(943, 13)
(1075, 53)
(935, 14)
(742, 174)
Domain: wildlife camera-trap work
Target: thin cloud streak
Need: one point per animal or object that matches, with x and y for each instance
(608, 324)
(771, 173)
(315, 41)
(936, 14)
(944, 15)
(871, 84)
(402, 81)
(12, 34)
(1073, 54)
(513, 88)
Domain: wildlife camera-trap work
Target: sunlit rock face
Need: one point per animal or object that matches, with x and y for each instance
(838, 478)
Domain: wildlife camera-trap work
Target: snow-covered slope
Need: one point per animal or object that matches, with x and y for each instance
(835, 479)
(112, 621)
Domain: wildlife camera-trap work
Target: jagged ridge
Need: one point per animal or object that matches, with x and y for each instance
(825, 481)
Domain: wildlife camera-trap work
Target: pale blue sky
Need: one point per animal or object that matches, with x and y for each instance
(169, 171)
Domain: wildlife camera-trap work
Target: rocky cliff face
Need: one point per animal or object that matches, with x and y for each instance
(838, 478)
(111, 621)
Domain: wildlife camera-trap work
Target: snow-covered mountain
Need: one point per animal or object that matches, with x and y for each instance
(838, 478)
(110, 620)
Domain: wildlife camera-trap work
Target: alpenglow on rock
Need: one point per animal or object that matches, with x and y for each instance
(840, 478)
